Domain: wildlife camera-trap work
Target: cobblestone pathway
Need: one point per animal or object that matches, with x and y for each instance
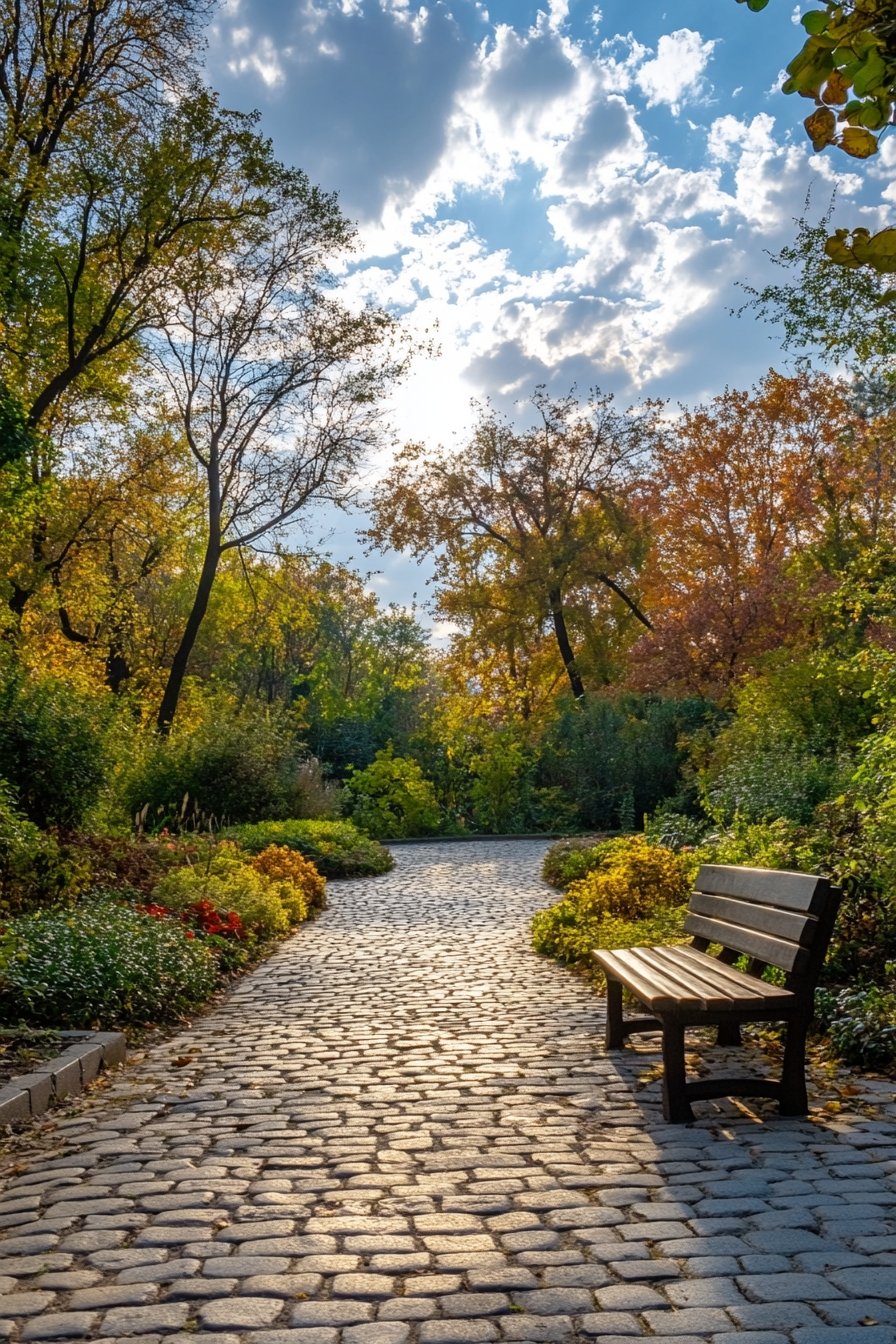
(402, 1130)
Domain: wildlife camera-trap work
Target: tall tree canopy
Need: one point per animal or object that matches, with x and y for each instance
(758, 502)
(276, 384)
(531, 534)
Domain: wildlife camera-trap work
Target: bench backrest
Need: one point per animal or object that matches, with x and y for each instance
(775, 918)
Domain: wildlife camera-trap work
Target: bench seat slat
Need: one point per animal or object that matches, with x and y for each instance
(762, 946)
(651, 989)
(784, 924)
(666, 981)
(724, 981)
(695, 981)
(803, 892)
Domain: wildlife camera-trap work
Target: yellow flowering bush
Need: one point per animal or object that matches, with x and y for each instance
(295, 879)
(634, 881)
(637, 896)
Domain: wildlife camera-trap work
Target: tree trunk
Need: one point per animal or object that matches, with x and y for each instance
(178, 671)
(563, 643)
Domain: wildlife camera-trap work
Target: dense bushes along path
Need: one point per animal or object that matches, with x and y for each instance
(402, 1130)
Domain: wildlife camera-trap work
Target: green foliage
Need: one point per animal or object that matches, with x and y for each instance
(32, 867)
(52, 746)
(233, 766)
(777, 780)
(228, 883)
(564, 932)
(676, 830)
(16, 441)
(391, 798)
(618, 759)
(634, 894)
(336, 848)
(633, 880)
(102, 965)
(847, 63)
(137, 863)
(844, 311)
(861, 1023)
(778, 844)
(500, 789)
(569, 859)
(788, 747)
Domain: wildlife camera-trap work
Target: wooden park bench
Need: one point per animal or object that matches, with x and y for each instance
(769, 918)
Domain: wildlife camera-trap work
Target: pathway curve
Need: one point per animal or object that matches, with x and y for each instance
(402, 1130)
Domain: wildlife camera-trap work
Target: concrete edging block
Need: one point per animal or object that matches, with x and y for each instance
(31, 1094)
(14, 1104)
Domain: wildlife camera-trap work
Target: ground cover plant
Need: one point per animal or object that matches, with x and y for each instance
(131, 956)
(102, 965)
(336, 848)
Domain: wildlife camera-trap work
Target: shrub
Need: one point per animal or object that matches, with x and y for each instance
(636, 894)
(137, 863)
(52, 747)
(32, 868)
(676, 830)
(617, 759)
(792, 739)
(635, 879)
(102, 965)
(233, 766)
(569, 935)
(569, 859)
(336, 848)
(229, 884)
(773, 844)
(295, 878)
(861, 1023)
(781, 780)
(501, 785)
(391, 798)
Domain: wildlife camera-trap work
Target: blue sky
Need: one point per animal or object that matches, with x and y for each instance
(562, 193)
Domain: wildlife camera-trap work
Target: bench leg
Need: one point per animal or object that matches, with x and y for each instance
(728, 1033)
(615, 1036)
(676, 1107)
(794, 1100)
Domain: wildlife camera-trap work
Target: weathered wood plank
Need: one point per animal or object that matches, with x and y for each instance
(717, 975)
(773, 951)
(722, 968)
(784, 924)
(804, 892)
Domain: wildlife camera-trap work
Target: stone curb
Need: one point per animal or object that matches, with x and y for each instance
(31, 1094)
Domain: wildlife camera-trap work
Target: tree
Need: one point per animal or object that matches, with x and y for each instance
(275, 383)
(847, 66)
(119, 525)
(130, 211)
(529, 531)
(846, 313)
(740, 491)
(129, 215)
(64, 65)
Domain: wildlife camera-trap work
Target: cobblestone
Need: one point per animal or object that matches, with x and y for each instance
(402, 1129)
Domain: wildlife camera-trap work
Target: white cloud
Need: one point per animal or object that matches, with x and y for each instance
(675, 75)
